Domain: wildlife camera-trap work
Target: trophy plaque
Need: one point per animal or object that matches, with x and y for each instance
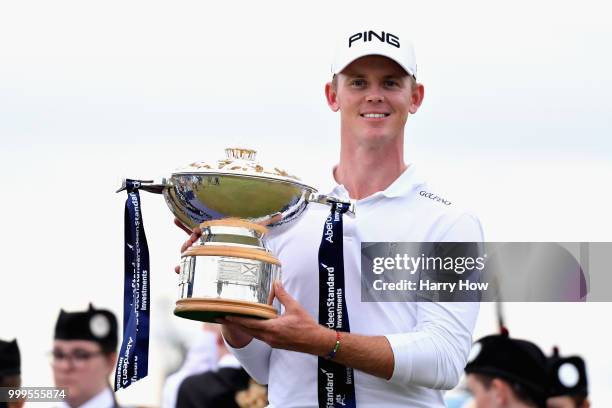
(235, 201)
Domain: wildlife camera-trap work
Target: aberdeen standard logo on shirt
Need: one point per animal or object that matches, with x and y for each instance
(434, 197)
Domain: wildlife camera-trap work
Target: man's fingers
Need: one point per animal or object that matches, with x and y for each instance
(182, 226)
(246, 322)
(282, 295)
(186, 245)
(195, 234)
(239, 327)
(192, 239)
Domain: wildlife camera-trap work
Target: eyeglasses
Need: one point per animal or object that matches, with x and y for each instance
(76, 358)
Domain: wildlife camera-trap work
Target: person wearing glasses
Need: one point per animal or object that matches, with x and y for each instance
(84, 356)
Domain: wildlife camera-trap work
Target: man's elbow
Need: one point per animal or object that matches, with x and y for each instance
(453, 375)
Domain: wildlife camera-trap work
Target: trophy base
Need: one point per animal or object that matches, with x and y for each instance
(210, 309)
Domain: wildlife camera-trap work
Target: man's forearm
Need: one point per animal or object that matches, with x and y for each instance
(370, 354)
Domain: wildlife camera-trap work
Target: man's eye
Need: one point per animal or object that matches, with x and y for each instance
(391, 83)
(81, 355)
(358, 83)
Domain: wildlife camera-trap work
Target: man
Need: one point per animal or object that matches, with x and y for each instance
(568, 382)
(202, 355)
(214, 388)
(402, 354)
(209, 377)
(83, 357)
(10, 370)
(507, 373)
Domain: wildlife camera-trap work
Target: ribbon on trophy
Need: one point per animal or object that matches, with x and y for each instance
(133, 363)
(335, 382)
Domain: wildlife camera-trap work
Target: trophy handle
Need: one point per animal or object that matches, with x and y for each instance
(329, 200)
(147, 185)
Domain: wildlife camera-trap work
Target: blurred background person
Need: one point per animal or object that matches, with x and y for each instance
(568, 382)
(221, 383)
(202, 355)
(507, 373)
(84, 356)
(10, 370)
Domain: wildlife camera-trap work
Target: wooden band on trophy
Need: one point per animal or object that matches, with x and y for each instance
(237, 252)
(206, 309)
(234, 222)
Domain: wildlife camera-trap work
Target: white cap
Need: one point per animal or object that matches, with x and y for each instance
(391, 44)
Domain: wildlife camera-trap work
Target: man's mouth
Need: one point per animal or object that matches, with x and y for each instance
(374, 115)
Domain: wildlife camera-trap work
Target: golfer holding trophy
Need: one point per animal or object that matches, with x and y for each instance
(328, 348)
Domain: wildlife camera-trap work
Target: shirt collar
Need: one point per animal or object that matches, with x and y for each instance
(102, 400)
(403, 185)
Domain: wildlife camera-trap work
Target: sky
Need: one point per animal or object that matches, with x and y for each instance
(515, 126)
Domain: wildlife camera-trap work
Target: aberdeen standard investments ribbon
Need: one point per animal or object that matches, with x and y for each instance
(132, 364)
(335, 382)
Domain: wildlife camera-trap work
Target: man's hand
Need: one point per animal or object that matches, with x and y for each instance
(194, 235)
(295, 330)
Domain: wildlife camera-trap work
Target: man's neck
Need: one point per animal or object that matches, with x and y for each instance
(365, 170)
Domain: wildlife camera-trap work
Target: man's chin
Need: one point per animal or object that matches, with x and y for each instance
(72, 389)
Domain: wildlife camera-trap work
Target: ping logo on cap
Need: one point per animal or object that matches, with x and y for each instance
(383, 37)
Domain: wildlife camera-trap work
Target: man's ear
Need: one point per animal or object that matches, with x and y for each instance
(332, 97)
(111, 361)
(502, 391)
(416, 98)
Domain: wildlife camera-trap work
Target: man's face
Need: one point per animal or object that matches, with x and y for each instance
(483, 397)
(81, 367)
(374, 96)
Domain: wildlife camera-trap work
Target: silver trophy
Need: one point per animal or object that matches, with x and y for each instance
(234, 201)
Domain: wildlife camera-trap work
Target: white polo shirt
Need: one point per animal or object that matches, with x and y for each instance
(430, 341)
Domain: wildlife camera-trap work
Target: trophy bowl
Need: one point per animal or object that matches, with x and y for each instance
(234, 201)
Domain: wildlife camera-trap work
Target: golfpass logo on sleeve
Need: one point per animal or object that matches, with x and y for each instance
(434, 197)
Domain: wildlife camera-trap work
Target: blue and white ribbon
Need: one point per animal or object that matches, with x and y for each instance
(133, 363)
(336, 385)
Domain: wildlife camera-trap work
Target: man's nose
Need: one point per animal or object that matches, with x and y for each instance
(375, 97)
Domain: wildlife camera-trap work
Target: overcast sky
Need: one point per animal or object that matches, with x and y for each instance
(515, 125)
